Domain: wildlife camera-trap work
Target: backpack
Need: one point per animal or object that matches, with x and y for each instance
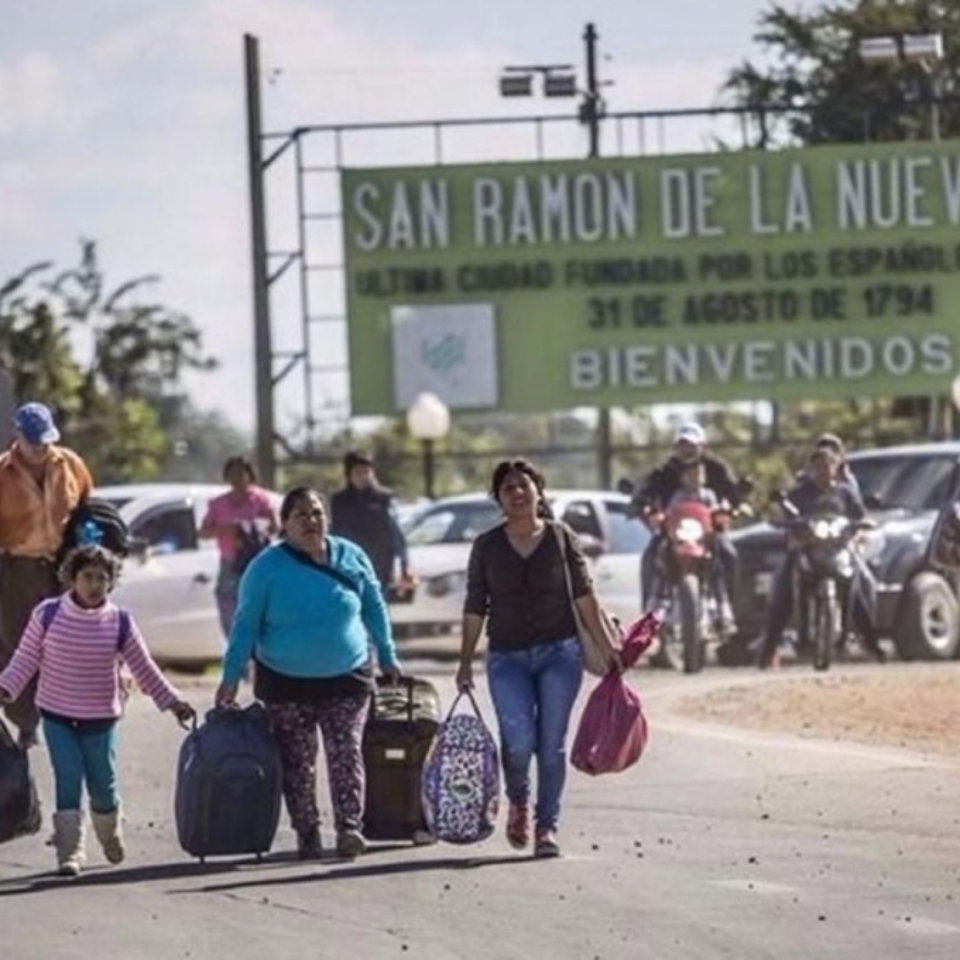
(251, 541)
(51, 608)
(97, 521)
(460, 788)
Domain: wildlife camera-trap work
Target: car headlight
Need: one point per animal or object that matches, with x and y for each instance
(446, 584)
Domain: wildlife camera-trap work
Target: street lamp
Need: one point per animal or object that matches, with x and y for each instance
(923, 49)
(560, 80)
(428, 420)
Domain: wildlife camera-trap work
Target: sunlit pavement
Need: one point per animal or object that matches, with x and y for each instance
(718, 843)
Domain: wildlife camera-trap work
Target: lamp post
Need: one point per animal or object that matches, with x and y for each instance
(560, 80)
(428, 420)
(926, 51)
(923, 49)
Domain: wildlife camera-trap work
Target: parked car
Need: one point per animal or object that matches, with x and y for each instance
(169, 585)
(440, 536)
(905, 489)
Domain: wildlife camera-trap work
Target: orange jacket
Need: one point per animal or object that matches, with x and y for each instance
(32, 516)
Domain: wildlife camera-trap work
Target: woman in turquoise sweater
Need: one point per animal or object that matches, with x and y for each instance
(308, 610)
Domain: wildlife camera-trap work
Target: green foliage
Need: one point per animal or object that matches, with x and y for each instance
(121, 441)
(560, 444)
(109, 404)
(815, 75)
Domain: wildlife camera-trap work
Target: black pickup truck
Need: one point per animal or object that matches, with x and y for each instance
(910, 492)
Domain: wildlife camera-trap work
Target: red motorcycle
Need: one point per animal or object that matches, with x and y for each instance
(686, 567)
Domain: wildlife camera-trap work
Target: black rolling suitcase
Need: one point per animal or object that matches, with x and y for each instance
(403, 722)
(228, 786)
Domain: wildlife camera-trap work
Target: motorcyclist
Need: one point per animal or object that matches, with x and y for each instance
(819, 492)
(694, 489)
(830, 441)
(689, 444)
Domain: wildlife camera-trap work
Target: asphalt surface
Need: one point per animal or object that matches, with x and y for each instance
(719, 843)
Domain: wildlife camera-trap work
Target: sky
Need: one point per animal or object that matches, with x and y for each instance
(123, 121)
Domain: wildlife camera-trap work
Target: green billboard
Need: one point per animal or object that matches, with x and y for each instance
(825, 272)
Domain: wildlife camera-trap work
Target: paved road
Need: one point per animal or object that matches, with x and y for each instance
(718, 844)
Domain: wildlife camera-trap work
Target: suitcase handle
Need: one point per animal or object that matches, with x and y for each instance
(402, 681)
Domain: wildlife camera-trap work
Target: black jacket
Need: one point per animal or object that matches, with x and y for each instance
(367, 518)
(839, 498)
(664, 482)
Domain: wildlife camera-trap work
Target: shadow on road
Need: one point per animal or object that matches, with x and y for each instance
(356, 872)
(254, 873)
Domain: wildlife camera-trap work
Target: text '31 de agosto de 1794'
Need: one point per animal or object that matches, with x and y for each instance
(832, 271)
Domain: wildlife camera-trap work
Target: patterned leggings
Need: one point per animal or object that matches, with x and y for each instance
(341, 721)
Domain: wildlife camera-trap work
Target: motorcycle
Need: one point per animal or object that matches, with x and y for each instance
(686, 563)
(825, 574)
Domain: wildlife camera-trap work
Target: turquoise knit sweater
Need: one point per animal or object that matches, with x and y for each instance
(302, 623)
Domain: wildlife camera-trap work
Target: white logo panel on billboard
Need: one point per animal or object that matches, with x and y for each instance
(447, 349)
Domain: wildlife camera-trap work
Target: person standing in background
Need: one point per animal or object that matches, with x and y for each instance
(40, 484)
(233, 519)
(364, 512)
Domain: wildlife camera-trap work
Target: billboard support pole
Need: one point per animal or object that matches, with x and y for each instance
(591, 112)
(262, 339)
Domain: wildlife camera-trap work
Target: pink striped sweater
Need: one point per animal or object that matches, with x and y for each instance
(78, 663)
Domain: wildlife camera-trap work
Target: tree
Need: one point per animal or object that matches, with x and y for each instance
(200, 442)
(815, 87)
(108, 403)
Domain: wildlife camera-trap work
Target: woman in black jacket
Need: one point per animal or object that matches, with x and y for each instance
(516, 581)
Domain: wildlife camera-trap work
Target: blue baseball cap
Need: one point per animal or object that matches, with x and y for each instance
(34, 422)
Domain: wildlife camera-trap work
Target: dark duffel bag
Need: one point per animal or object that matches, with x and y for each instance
(229, 782)
(19, 805)
(404, 719)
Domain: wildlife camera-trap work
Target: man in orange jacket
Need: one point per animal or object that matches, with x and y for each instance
(40, 484)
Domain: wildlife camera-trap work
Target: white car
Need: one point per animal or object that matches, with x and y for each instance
(439, 540)
(169, 587)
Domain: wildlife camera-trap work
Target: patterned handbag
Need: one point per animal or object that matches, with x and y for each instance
(461, 779)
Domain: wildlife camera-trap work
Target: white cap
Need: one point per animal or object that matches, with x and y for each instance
(692, 432)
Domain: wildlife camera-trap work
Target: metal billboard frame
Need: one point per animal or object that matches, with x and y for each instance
(628, 133)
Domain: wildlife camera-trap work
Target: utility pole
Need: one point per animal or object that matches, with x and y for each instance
(560, 80)
(590, 114)
(262, 339)
(590, 111)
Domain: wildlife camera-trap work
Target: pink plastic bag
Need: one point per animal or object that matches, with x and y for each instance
(613, 730)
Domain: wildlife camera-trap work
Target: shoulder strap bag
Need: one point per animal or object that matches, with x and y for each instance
(332, 572)
(594, 651)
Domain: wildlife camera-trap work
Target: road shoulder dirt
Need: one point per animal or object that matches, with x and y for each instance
(909, 706)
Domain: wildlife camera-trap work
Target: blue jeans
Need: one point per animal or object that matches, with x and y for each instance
(533, 693)
(83, 751)
(226, 591)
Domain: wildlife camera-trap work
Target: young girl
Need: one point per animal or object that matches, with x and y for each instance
(75, 643)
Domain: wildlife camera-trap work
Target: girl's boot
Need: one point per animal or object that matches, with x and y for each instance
(68, 841)
(107, 828)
